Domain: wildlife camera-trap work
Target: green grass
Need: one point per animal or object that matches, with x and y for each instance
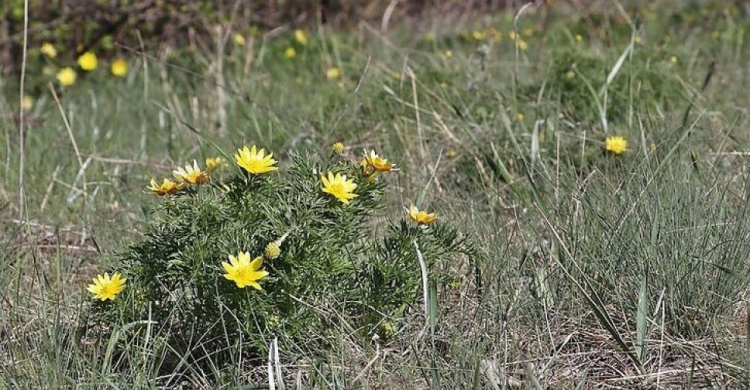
(595, 269)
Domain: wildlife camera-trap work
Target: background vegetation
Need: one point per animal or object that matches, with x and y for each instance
(595, 269)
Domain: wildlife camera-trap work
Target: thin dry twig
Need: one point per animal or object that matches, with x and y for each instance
(72, 140)
(22, 118)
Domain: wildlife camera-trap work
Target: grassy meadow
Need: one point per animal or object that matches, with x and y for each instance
(595, 269)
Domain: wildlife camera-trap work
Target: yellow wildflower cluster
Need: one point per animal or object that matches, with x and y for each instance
(242, 269)
(300, 39)
(252, 160)
(88, 62)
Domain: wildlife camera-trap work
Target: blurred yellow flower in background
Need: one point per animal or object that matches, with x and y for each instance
(478, 35)
(87, 61)
(119, 67)
(27, 103)
(66, 76)
(290, 52)
(333, 73)
(338, 147)
(239, 39)
(48, 50)
(214, 163)
(301, 37)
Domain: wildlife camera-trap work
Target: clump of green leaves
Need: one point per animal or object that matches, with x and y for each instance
(576, 80)
(337, 265)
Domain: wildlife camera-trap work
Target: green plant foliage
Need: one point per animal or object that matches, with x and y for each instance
(336, 265)
(570, 72)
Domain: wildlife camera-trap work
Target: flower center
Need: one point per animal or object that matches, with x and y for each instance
(338, 189)
(246, 275)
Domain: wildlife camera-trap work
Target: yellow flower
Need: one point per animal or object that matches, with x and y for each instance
(378, 163)
(522, 44)
(450, 154)
(255, 161)
(333, 73)
(66, 76)
(167, 187)
(239, 40)
(570, 75)
(448, 54)
(105, 287)
(338, 147)
(429, 37)
(244, 272)
(520, 117)
(191, 174)
(27, 103)
(48, 50)
(87, 61)
(616, 145)
(290, 52)
(494, 34)
(119, 67)
(512, 35)
(367, 169)
(579, 38)
(339, 187)
(528, 32)
(673, 60)
(214, 163)
(421, 217)
(478, 35)
(301, 37)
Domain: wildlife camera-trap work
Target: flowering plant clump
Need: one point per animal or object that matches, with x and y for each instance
(299, 233)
